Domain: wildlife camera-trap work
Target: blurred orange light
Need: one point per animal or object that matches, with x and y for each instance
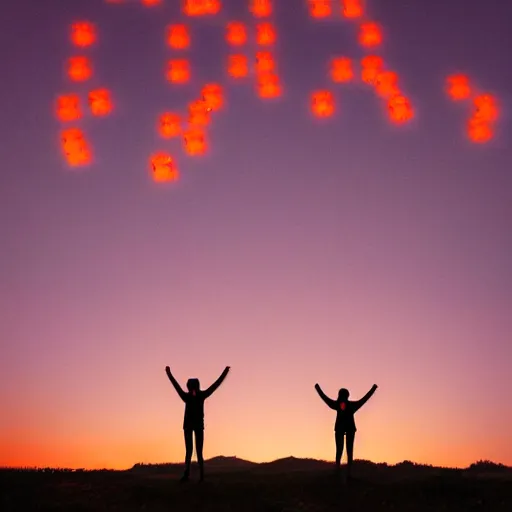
(178, 71)
(261, 8)
(400, 109)
(265, 34)
(83, 34)
(178, 36)
(199, 113)
(79, 69)
(100, 102)
(269, 85)
(195, 142)
(479, 130)
(352, 8)
(163, 168)
(386, 84)
(75, 147)
(458, 87)
(213, 96)
(265, 62)
(341, 69)
(486, 108)
(238, 66)
(169, 125)
(371, 66)
(320, 8)
(322, 103)
(370, 35)
(236, 33)
(68, 107)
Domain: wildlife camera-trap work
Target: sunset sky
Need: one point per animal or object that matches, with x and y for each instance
(346, 252)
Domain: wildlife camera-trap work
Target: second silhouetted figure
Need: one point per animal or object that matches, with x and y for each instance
(345, 425)
(194, 416)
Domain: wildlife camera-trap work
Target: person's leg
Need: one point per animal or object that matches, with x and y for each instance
(350, 451)
(339, 436)
(199, 451)
(188, 452)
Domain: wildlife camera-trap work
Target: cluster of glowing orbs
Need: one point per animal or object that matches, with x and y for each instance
(458, 87)
(371, 66)
(370, 35)
(178, 71)
(100, 102)
(322, 103)
(236, 33)
(480, 128)
(178, 36)
(269, 85)
(341, 70)
(163, 168)
(320, 8)
(79, 68)
(352, 8)
(266, 34)
(75, 147)
(194, 140)
(213, 96)
(400, 109)
(238, 66)
(201, 7)
(169, 125)
(68, 108)
(83, 34)
(261, 8)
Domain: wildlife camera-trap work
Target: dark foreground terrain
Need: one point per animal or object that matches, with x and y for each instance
(282, 486)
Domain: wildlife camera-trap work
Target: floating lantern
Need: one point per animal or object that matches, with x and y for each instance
(178, 36)
(322, 103)
(236, 33)
(169, 125)
(83, 34)
(261, 8)
(341, 69)
(100, 102)
(68, 108)
(163, 168)
(238, 66)
(195, 142)
(265, 34)
(458, 88)
(370, 35)
(178, 71)
(320, 8)
(79, 69)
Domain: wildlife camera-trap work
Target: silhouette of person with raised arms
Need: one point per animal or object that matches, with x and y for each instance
(345, 425)
(193, 422)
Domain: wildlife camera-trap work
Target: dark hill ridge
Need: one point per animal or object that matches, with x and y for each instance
(364, 468)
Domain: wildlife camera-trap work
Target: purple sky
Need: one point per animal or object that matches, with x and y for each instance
(345, 252)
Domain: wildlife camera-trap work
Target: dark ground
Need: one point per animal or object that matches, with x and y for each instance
(283, 486)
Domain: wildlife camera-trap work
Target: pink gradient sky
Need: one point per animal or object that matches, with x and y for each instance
(346, 254)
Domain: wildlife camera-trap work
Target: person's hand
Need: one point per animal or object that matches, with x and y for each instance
(167, 369)
(316, 386)
(228, 368)
(375, 386)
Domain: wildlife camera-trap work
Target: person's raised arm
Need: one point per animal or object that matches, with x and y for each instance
(331, 403)
(359, 403)
(217, 383)
(175, 383)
